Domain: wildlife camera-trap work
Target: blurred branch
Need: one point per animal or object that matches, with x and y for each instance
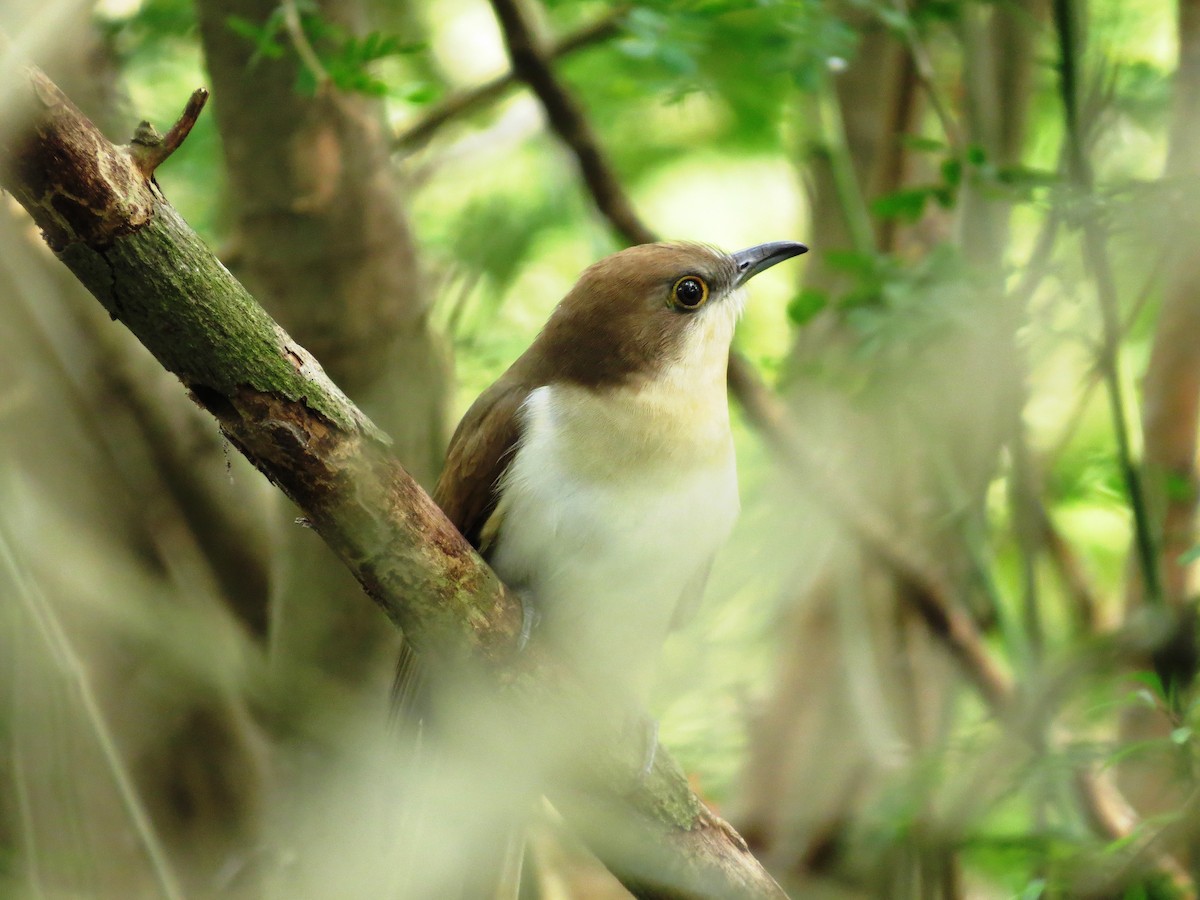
(928, 79)
(933, 599)
(891, 168)
(416, 136)
(566, 118)
(1096, 257)
(1070, 570)
(1171, 387)
(929, 594)
(841, 168)
(109, 224)
(60, 648)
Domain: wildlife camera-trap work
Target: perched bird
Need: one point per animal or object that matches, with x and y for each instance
(597, 474)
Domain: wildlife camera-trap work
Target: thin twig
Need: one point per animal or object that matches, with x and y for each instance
(150, 150)
(1094, 377)
(416, 136)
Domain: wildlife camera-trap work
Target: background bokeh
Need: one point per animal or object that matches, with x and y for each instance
(950, 649)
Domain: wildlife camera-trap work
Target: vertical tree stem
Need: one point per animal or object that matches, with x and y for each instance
(1096, 259)
(841, 167)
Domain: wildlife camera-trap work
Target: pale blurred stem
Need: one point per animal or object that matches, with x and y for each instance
(300, 43)
(1096, 257)
(841, 167)
(59, 647)
(467, 101)
(928, 79)
(1171, 387)
(29, 840)
(1023, 494)
(931, 595)
(889, 172)
(1095, 376)
(109, 223)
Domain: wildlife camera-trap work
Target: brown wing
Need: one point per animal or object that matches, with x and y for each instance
(481, 449)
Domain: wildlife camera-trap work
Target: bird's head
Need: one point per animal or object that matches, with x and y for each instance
(649, 307)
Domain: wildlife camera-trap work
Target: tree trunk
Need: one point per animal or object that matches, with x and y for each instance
(321, 237)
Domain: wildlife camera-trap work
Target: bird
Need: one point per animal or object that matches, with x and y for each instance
(597, 474)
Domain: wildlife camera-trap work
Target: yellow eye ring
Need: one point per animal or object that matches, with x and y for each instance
(689, 292)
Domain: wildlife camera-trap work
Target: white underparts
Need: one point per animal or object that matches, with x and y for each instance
(616, 502)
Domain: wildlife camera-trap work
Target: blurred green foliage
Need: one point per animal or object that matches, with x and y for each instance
(705, 109)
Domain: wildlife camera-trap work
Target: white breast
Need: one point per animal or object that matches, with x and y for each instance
(613, 507)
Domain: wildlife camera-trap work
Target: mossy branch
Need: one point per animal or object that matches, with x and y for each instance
(105, 218)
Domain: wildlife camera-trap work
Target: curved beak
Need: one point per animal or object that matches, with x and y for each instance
(753, 260)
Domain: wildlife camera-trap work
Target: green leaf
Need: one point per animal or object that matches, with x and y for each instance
(1151, 681)
(264, 37)
(944, 197)
(851, 261)
(952, 172)
(806, 305)
(907, 204)
(420, 92)
(923, 144)
(1179, 486)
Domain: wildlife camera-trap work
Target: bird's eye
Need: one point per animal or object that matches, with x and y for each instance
(689, 292)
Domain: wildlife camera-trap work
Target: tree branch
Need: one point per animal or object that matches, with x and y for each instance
(109, 223)
(416, 136)
(1096, 259)
(566, 118)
